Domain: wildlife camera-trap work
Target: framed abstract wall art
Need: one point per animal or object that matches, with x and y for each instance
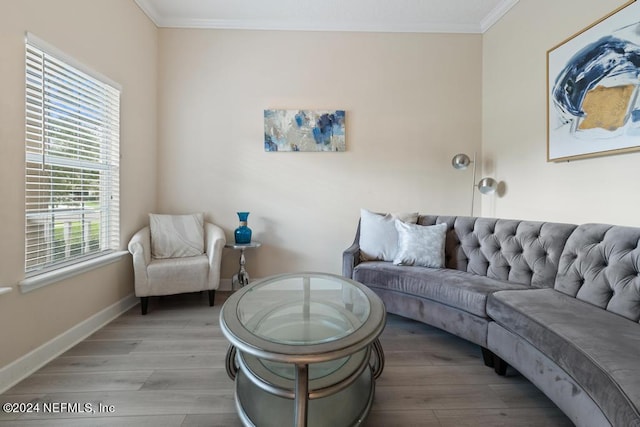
(304, 130)
(593, 89)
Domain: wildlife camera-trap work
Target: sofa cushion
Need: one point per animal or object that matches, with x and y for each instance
(598, 349)
(378, 234)
(420, 245)
(173, 276)
(601, 265)
(464, 291)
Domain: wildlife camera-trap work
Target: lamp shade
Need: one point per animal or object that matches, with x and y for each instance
(487, 185)
(460, 161)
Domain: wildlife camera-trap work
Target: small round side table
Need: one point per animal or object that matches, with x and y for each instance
(241, 278)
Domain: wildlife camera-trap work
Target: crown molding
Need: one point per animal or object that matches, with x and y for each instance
(498, 12)
(150, 10)
(228, 24)
(159, 20)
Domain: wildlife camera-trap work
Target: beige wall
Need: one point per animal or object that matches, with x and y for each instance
(601, 189)
(412, 102)
(116, 39)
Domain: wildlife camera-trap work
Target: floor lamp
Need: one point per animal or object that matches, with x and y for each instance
(485, 185)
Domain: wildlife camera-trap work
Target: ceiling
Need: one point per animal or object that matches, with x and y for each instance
(420, 16)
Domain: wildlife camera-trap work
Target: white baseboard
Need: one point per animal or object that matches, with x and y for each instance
(18, 370)
(226, 284)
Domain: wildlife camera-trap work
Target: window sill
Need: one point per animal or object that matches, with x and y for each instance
(44, 279)
(5, 290)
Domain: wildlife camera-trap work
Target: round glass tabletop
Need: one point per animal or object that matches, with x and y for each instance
(302, 317)
(303, 309)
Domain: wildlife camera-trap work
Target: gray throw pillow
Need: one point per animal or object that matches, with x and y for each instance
(378, 234)
(420, 245)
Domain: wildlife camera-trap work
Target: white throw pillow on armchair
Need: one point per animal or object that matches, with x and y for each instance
(174, 236)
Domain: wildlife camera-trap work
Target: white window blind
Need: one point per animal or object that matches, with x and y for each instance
(72, 163)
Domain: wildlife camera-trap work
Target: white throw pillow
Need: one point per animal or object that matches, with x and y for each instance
(378, 234)
(420, 245)
(174, 236)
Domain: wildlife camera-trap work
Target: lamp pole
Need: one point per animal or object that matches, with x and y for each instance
(473, 183)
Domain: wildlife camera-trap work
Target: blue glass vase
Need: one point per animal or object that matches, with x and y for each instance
(242, 233)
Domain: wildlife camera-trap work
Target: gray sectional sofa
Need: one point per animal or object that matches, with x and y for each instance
(558, 302)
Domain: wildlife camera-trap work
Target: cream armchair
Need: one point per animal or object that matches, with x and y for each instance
(168, 275)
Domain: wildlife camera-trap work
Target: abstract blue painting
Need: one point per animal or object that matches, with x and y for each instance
(304, 130)
(593, 83)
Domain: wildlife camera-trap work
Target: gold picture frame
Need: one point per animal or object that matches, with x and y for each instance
(593, 89)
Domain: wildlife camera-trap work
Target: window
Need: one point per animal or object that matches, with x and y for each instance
(72, 161)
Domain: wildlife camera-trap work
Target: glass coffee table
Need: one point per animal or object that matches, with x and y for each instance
(304, 350)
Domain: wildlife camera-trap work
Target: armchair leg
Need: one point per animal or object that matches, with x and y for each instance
(144, 304)
(212, 296)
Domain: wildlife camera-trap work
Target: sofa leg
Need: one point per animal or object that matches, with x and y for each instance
(487, 357)
(500, 366)
(212, 297)
(144, 304)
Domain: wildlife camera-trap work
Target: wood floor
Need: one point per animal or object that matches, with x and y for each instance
(167, 369)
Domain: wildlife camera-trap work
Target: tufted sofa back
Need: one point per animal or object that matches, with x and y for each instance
(525, 252)
(601, 265)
